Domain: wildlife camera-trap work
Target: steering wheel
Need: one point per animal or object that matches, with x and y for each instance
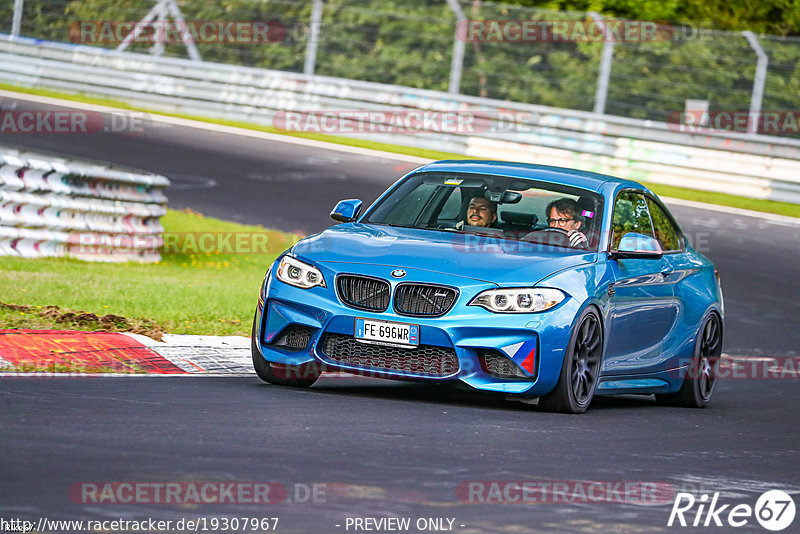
(559, 237)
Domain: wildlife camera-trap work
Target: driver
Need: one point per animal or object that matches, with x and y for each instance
(564, 213)
(481, 212)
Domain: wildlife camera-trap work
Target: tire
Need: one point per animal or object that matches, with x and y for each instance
(301, 376)
(701, 377)
(579, 372)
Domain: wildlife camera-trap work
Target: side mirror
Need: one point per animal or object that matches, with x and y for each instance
(346, 210)
(633, 245)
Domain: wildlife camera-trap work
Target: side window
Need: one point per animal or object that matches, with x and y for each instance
(666, 233)
(630, 215)
(452, 207)
(409, 209)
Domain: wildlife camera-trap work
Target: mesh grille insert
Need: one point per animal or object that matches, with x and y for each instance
(501, 366)
(363, 293)
(424, 300)
(294, 337)
(425, 360)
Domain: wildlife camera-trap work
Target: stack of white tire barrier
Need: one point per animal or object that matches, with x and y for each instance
(55, 207)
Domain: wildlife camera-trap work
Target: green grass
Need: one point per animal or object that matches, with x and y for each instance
(188, 292)
(766, 206)
(50, 317)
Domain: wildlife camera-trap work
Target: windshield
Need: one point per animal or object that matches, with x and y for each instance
(495, 206)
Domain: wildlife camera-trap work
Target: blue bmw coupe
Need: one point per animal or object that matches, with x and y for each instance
(543, 282)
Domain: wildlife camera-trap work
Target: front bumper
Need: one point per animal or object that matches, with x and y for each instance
(468, 344)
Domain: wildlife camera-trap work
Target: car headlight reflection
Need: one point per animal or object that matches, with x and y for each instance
(518, 300)
(299, 274)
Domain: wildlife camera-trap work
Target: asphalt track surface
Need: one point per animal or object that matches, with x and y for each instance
(383, 448)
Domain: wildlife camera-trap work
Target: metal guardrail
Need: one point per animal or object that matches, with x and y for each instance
(55, 207)
(627, 68)
(750, 165)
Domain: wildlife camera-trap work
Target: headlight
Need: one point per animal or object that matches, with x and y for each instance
(518, 300)
(299, 274)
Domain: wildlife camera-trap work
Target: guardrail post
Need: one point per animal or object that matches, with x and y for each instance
(457, 63)
(757, 95)
(313, 38)
(161, 18)
(140, 27)
(16, 23)
(601, 93)
(188, 42)
(160, 10)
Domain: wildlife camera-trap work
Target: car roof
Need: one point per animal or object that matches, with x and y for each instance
(561, 175)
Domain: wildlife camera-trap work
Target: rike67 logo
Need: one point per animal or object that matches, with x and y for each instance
(774, 510)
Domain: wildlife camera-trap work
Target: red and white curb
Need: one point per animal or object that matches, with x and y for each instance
(69, 352)
(112, 353)
(203, 354)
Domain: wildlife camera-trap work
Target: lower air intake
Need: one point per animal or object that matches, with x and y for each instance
(425, 360)
(500, 365)
(294, 337)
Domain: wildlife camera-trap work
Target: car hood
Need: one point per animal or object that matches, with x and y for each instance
(486, 259)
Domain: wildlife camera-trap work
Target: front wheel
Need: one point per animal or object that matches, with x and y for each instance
(701, 377)
(581, 367)
(282, 375)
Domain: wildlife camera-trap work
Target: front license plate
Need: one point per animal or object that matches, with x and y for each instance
(387, 333)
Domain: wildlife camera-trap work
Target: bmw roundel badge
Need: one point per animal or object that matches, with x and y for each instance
(398, 273)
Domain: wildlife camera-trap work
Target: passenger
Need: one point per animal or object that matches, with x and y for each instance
(564, 213)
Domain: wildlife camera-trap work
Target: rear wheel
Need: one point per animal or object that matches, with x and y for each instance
(281, 375)
(581, 367)
(701, 377)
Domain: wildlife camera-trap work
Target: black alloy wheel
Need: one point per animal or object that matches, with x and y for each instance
(702, 374)
(575, 388)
